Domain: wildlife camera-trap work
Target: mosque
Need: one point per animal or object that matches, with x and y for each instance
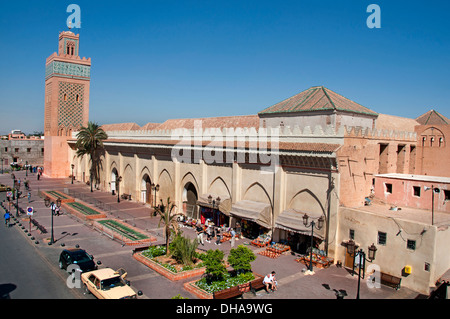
(316, 154)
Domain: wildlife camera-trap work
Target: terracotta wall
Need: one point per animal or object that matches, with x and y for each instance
(433, 154)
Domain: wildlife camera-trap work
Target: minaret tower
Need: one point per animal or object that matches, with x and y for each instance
(67, 79)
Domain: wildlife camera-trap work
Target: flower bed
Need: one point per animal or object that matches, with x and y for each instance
(127, 234)
(204, 291)
(155, 259)
(82, 211)
(55, 195)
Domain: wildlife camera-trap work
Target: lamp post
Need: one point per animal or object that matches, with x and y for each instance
(215, 203)
(119, 179)
(433, 190)
(13, 177)
(155, 189)
(351, 250)
(312, 225)
(72, 171)
(52, 206)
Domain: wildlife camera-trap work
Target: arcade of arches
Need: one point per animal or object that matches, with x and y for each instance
(226, 194)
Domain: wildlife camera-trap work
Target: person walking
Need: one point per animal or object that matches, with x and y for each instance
(199, 231)
(218, 236)
(29, 197)
(208, 233)
(7, 217)
(233, 238)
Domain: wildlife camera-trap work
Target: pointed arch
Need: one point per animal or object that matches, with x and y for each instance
(307, 202)
(257, 193)
(219, 186)
(166, 186)
(189, 177)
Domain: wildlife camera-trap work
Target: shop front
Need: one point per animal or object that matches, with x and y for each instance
(214, 208)
(290, 230)
(252, 218)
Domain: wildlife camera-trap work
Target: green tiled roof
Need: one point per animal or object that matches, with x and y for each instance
(317, 98)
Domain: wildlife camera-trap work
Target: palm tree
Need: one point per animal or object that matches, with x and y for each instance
(90, 142)
(168, 218)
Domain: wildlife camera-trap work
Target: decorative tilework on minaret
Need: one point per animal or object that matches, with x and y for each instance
(67, 80)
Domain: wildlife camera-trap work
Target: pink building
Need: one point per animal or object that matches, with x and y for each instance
(416, 191)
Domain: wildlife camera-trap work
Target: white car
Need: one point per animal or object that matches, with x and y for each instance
(107, 283)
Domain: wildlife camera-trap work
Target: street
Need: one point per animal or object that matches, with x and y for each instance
(26, 274)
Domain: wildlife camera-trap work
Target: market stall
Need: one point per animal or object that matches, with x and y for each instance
(215, 208)
(254, 217)
(275, 250)
(319, 259)
(291, 230)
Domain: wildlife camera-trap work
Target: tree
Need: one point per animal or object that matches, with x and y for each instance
(240, 259)
(90, 142)
(169, 219)
(215, 266)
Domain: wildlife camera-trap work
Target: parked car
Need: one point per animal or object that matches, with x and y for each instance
(4, 188)
(76, 256)
(107, 283)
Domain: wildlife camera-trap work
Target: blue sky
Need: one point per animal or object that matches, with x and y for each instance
(155, 60)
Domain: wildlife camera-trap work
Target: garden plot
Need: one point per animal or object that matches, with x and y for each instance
(124, 233)
(83, 211)
(55, 195)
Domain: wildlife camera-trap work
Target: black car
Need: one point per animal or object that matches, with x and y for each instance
(76, 256)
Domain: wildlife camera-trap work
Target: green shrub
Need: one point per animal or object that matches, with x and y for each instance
(240, 259)
(184, 250)
(228, 281)
(215, 266)
(154, 251)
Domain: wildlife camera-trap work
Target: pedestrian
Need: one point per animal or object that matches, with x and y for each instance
(218, 236)
(199, 231)
(208, 233)
(29, 197)
(7, 217)
(233, 237)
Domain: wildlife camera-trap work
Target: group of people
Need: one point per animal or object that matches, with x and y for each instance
(213, 232)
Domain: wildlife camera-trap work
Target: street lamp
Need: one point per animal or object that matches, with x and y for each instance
(155, 189)
(312, 224)
(433, 190)
(215, 203)
(53, 206)
(17, 187)
(351, 250)
(72, 171)
(119, 179)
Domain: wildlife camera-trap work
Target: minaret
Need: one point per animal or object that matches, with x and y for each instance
(67, 79)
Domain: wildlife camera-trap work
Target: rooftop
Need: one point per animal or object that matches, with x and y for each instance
(422, 178)
(432, 117)
(317, 98)
(441, 219)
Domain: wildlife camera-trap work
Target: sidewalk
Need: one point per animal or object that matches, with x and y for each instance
(292, 281)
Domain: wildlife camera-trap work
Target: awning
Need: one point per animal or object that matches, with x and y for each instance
(292, 220)
(224, 206)
(257, 212)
